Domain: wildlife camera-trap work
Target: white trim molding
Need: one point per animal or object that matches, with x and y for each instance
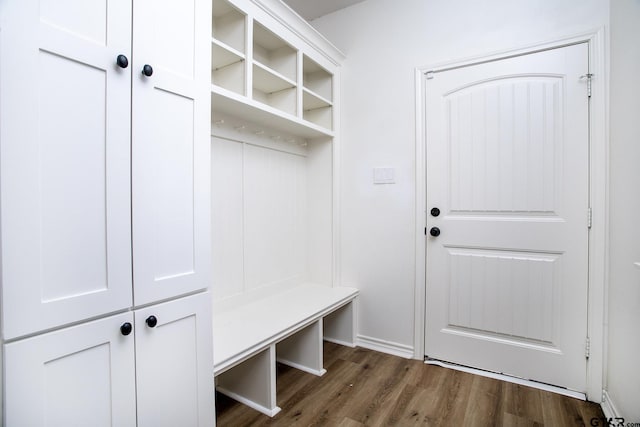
(598, 194)
(387, 347)
(608, 408)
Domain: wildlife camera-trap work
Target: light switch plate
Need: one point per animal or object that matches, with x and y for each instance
(384, 176)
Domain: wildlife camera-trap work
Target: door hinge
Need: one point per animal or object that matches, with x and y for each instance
(588, 77)
(589, 217)
(587, 348)
(425, 231)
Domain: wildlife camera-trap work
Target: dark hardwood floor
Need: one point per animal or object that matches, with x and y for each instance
(367, 388)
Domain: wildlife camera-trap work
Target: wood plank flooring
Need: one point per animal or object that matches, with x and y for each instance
(367, 388)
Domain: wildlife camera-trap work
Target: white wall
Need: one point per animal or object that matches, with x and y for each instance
(624, 285)
(384, 40)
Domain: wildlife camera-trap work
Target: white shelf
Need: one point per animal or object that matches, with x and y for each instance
(230, 77)
(269, 81)
(322, 117)
(223, 55)
(229, 102)
(312, 101)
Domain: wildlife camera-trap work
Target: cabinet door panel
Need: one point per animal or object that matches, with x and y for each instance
(79, 376)
(64, 162)
(175, 364)
(171, 134)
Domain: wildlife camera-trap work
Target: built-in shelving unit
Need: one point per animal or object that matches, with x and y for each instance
(274, 162)
(258, 67)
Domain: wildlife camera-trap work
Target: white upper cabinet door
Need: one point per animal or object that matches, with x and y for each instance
(174, 363)
(64, 161)
(80, 376)
(170, 148)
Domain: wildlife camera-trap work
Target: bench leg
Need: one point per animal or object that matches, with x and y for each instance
(303, 350)
(340, 326)
(253, 382)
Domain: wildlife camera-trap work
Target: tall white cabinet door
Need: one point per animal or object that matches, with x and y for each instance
(171, 137)
(64, 161)
(79, 376)
(174, 357)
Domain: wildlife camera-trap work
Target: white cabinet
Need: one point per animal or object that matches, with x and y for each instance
(170, 149)
(74, 156)
(105, 210)
(174, 363)
(79, 376)
(64, 162)
(87, 375)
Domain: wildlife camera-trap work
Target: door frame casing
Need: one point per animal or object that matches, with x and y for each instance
(598, 195)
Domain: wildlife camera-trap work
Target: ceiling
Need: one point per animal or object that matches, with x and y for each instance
(312, 9)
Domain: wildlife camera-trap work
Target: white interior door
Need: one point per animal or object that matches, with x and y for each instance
(65, 161)
(170, 148)
(508, 168)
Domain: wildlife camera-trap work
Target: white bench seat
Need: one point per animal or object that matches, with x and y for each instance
(250, 334)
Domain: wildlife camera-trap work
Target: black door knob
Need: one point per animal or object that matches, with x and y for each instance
(126, 328)
(122, 61)
(435, 231)
(435, 212)
(147, 70)
(151, 321)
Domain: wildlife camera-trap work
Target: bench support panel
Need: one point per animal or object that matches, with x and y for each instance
(303, 350)
(253, 382)
(340, 325)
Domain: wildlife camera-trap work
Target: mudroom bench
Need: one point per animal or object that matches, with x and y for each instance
(253, 331)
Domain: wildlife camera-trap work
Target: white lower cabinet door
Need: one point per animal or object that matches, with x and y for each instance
(78, 376)
(174, 363)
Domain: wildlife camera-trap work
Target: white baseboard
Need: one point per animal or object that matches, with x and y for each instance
(340, 342)
(383, 346)
(608, 408)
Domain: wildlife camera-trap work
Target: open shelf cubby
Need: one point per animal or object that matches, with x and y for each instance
(274, 70)
(227, 68)
(317, 80)
(228, 47)
(317, 94)
(229, 26)
(273, 52)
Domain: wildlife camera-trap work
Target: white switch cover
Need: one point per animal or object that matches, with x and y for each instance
(384, 176)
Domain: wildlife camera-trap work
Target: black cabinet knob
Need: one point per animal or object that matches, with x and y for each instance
(435, 231)
(147, 70)
(435, 212)
(122, 61)
(151, 321)
(126, 328)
